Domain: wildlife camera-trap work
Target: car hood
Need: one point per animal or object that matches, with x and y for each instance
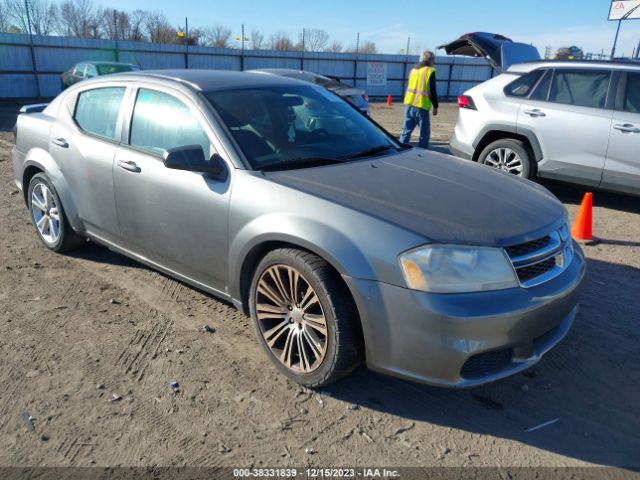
(437, 196)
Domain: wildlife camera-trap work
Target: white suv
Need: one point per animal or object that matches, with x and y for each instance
(572, 121)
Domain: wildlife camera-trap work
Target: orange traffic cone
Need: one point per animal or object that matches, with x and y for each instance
(389, 100)
(582, 227)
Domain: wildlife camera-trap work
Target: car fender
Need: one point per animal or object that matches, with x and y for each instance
(42, 160)
(500, 127)
(319, 238)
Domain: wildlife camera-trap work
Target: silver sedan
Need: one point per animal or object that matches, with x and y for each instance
(343, 245)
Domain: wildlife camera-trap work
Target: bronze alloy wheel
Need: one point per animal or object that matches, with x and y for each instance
(291, 319)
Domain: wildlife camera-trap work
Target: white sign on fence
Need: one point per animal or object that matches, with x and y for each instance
(377, 74)
(620, 8)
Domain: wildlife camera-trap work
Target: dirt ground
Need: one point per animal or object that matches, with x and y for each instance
(89, 343)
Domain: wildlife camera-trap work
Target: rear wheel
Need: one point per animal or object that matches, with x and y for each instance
(48, 216)
(509, 155)
(304, 318)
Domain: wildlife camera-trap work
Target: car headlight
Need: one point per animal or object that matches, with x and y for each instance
(456, 269)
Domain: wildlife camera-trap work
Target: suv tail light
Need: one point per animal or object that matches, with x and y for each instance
(365, 97)
(465, 101)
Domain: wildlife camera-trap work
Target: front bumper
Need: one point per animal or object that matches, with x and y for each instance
(464, 340)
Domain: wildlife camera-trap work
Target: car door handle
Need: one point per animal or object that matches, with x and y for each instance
(535, 113)
(129, 165)
(627, 128)
(61, 142)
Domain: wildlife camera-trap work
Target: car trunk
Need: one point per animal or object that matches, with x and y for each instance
(501, 52)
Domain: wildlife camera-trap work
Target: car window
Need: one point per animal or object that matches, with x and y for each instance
(79, 69)
(541, 93)
(632, 100)
(522, 86)
(585, 88)
(106, 69)
(97, 110)
(91, 71)
(161, 121)
(295, 124)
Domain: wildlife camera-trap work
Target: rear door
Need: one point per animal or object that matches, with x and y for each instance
(570, 114)
(622, 168)
(175, 218)
(83, 141)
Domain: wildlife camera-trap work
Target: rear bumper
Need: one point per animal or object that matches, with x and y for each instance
(464, 340)
(459, 149)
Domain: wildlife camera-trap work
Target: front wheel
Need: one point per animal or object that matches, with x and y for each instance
(509, 155)
(304, 318)
(49, 217)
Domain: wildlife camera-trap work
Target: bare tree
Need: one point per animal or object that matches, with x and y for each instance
(197, 36)
(315, 39)
(40, 19)
(79, 18)
(218, 36)
(335, 47)
(257, 39)
(281, 41)
(368, 47)
(120, 25)
(159, 29)
(5, 23)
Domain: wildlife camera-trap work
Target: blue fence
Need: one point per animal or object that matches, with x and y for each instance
(31, 66)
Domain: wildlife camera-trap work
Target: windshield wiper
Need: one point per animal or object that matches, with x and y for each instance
(300, 163)
(370, 151)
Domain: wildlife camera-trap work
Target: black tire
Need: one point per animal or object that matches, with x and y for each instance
(517, 146)
(343, 341)
(67, 239)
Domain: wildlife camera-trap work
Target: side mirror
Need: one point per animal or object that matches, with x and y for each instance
(191, 159)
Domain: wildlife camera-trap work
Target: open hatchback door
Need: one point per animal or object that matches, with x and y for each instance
(501, 52)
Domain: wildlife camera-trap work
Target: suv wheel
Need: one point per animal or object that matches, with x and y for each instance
(304, 318)
(510, 156)
(48, 216)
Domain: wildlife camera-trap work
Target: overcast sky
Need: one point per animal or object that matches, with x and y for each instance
(553, 23)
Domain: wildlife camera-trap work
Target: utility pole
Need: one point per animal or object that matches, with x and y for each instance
(115, 31)
(33, 55)
(355, 62)
(302, 54)
(242, 50)
(186, 42)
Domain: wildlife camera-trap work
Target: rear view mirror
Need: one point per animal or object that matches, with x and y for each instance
(292, 100)
(191, 159)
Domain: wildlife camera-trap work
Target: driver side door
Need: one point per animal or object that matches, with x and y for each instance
(176, 219)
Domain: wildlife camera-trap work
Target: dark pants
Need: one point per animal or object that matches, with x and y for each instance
(414, 116)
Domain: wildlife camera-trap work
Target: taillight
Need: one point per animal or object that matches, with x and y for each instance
(15, 133)
(465, 101)
(365, 97)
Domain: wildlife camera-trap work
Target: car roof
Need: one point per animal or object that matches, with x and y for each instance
(288, 71)
(603, 64)
(98, 62)
(208, 80)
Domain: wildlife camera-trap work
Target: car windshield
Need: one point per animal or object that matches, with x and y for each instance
(295, 126)
(107, 69)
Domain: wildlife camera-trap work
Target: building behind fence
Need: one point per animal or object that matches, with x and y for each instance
(31, 66)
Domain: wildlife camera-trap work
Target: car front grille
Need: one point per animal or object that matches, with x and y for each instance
(542, 259)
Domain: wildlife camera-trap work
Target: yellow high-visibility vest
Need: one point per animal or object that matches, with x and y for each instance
(417, 93)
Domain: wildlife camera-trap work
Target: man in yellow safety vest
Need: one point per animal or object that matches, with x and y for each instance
(421, 96)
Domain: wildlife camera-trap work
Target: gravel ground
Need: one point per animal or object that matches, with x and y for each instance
(90, 341)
